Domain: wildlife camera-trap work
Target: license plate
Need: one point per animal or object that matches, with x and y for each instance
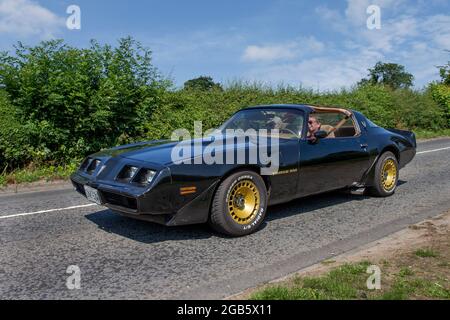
(92, 195)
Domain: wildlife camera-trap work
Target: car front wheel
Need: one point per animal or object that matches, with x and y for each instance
(239, 205)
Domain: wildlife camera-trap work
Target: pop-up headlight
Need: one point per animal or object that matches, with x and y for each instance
(145, 176)
(127, 173)
(93, 166)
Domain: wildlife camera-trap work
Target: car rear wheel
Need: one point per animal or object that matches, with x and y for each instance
(239, 205)
(386, 175)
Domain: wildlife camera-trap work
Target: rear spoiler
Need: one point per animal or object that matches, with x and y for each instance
(407, 134)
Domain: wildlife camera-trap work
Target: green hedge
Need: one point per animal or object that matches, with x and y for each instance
(69, 102)
(404, 108)
(15, 137)
(441, 94)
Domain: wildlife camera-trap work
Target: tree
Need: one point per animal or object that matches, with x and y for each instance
(444, 71)
(389, 74)
(202, 83)
(445, 74)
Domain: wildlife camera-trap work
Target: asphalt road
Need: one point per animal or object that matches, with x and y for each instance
(121, 258)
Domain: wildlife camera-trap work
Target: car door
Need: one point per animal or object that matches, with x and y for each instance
(331, 163)
(285, 180)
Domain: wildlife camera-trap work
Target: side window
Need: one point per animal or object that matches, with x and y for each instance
(289, 123)
(333, 121)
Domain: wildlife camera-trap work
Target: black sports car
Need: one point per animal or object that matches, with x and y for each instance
(317, 149)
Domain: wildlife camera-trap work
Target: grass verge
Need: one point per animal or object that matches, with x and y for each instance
(349, 282)
(33, 174)
(428, 134)
(417, 267)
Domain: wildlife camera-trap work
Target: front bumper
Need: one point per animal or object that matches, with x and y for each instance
(154, 204)
(125, 197)
(115, 199)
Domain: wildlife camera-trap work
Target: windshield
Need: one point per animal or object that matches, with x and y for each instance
(288, 122)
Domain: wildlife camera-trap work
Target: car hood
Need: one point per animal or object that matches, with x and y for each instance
(157, 151)
(160, 151)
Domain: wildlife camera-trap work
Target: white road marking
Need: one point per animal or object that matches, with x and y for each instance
(46, 211)
(434, 150)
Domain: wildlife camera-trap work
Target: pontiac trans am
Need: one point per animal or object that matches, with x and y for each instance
(346, 150)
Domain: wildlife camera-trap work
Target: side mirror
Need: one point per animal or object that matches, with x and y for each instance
(321, 134)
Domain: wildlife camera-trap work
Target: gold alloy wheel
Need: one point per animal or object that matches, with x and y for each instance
(244, 201)
(389, 175)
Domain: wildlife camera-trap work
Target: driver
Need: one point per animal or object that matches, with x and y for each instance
(276, 123)
(314, 125)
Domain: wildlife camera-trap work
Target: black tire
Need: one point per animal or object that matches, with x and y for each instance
(381, 186)
(224, 219)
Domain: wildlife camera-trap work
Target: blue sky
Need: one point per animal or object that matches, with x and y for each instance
(323, 45)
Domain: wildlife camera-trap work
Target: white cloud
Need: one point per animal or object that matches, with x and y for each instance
(356, 11)
(312, 45)
(284, 51)
(392, 34)
(417, 42)
(319, 73)
(198, 44)
(406, 37)
(443, 40)
(268, 53)
(332, 18)
(437, 28)
(353, 22)
(28, 18)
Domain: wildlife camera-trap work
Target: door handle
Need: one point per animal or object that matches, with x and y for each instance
(364, 145)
